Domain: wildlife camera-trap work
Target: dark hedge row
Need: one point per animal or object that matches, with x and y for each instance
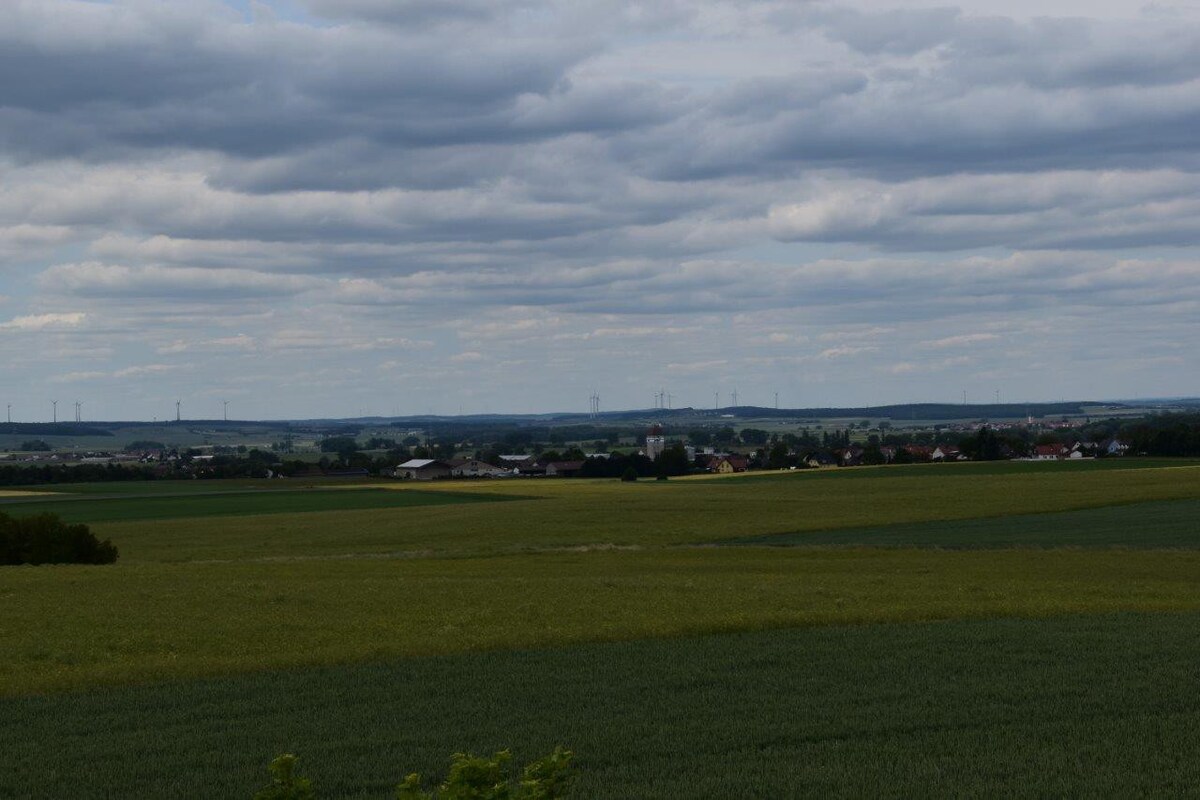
(46, 539)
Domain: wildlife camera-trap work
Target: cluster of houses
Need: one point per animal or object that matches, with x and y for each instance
(1056, 452)
(725, 463)
(77, 457)
(510, 466)
(855, 455)
(426, 469)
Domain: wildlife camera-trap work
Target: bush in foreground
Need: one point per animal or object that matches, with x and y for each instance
(46, 539)
(479, 778)
(285, 784)
(471, 778)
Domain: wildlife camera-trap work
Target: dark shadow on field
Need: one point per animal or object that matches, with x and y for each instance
(1080, 706)
(92, 509)
(1162, 524)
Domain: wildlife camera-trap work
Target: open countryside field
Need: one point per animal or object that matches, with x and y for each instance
(573, 513)
(1068, 706)
(166, 621)
(944, 575)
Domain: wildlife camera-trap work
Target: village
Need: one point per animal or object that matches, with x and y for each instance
(690, 459)
(653, 453)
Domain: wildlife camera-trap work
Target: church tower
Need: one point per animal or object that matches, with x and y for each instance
(655, 441)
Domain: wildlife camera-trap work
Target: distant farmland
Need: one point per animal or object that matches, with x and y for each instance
(986, 629)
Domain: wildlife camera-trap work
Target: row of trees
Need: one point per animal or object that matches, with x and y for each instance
(1165, 435)
(34, 474)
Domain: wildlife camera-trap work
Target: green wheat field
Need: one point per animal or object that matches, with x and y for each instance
(967, 630)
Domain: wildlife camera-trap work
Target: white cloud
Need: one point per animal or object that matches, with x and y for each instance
(144, 369)
(41, 322)
(124, 373)
(92, 279)
(844, 351)
(76, 377)
(225, 343)
(698, 367)
(963, 340)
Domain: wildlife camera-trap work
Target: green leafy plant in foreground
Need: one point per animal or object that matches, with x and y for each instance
(471, 778)
(482, 778)
(285, 785)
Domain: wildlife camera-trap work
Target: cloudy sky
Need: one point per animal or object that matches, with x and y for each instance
(337, 207)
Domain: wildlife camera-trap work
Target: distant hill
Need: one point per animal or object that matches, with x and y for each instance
(901, 412)
(898, 412)
(53, 429)
(921, 411)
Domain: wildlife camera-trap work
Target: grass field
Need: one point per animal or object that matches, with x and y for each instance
(983, 602)
(1084, 706)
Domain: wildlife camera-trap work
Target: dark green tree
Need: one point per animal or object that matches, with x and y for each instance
(673, 460)
(755, 436)
(725, 435)
(779, 457)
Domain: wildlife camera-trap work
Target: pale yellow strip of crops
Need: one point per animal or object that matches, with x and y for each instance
(79, 627)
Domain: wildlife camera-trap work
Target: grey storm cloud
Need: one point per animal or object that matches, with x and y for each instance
(117, 80)
(737, 178)
(113, 80)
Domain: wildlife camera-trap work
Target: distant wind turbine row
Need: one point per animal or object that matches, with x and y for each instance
(178, 410)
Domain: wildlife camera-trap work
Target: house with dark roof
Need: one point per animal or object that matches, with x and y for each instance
(1113, 447)
(522, 464)
(919, 452)
(850, 456)
(563, 469)
(728, 464)
(819, 459)
(1048, 452)
(423, 469)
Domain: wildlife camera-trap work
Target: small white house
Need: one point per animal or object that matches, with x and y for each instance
(474, 468)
